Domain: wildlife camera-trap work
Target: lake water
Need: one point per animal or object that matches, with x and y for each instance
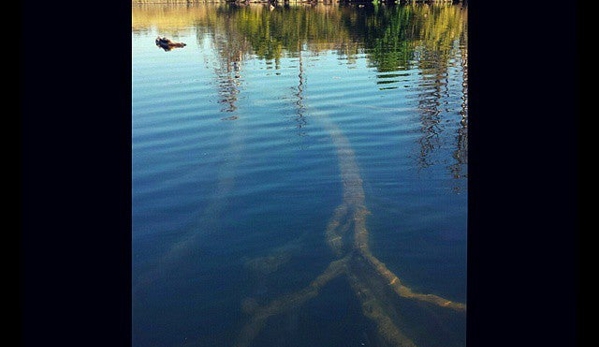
(299, 175)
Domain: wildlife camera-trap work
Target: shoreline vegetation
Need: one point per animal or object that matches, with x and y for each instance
(407, 29)
(297, 1)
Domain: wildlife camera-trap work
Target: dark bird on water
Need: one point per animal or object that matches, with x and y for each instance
(167, 44)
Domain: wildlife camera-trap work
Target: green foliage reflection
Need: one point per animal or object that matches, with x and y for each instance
(390, 36)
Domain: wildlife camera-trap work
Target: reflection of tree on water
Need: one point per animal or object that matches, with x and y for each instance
(229, 72)
(232, 46)
(394, 35)
(430, 94)
(436, 105)
(228, 76)
(387, 37)
(434, 32)
(395, 40)
(299, 94)
(399, 38)
(461, 152)
(440, 32)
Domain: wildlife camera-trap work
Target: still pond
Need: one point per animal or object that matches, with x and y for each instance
(299, 175)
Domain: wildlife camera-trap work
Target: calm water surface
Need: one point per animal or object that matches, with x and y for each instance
(299, 176)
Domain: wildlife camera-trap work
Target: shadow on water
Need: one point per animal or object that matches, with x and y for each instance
(394, 39)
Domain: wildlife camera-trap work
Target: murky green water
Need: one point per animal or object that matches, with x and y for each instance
(299, 175)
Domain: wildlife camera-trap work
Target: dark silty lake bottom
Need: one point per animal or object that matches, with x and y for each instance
(299, 175)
